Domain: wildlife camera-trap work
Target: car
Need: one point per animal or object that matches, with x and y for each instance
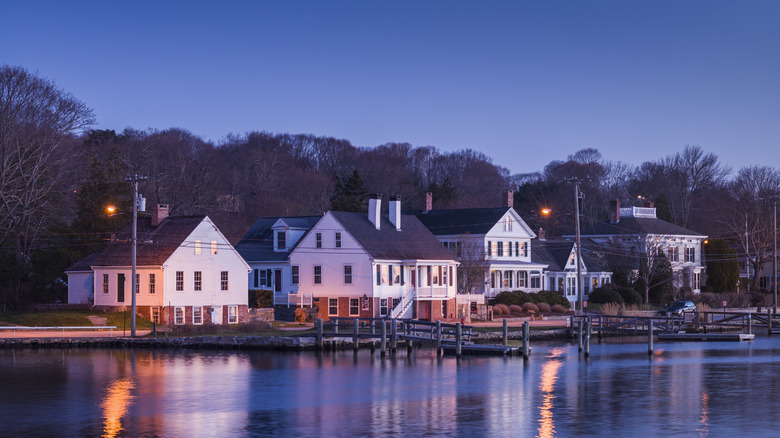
(681, 307)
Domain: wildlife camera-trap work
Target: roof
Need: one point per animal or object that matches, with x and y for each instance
(258, 243)
(414, 242)
(462, 220)
(556, 253)
(154, 245)
(84, 264)
(640, 226)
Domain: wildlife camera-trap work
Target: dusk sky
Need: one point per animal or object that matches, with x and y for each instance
(523, 82)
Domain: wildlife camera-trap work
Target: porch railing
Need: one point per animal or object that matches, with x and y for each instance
(298, 300)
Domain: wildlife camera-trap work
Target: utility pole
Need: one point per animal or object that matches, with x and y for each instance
(133, 283)
(577, 196)
(774, 254)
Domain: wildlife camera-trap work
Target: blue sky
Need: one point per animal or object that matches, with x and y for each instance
(523, 82)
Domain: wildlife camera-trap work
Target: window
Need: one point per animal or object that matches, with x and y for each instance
(378, 275)
(521, 278)
(223, 280)
(317, 274)
(256, 273)
(508, 278)
(152, 284)
(500, 251)
(517, 249)
(354, 306)
(690, 254)
(198, 281)
(570, 286)
(451, 276)
(347, 274)
(338, 240)
(179, 280)
(443, 308)
(507, 223)
(105, 283)
(396, 302)
(444, 276)
(674, 254)
(138, 283)
(264, 277)
(198, 247)
(384, 274)
(433, 277)
(197, 315)
(390, 273)
(536, 280)
(232, 314)
(178, 315)
(156, 315)
(696, 280)
(281, 241)
(525, 249)
(319, 240)
(490, 248)
(383, 307)
(213, 246)
(493, 276)
(561, 283)
(333, 306)
(295, 274)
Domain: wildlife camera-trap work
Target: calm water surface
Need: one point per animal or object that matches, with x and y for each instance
(684, 389)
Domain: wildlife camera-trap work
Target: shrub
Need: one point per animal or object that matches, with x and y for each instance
(551, 297)
(516, 297)
(515, 309)
(629, 295)
(605, 294)
(530, 307)
(500, 309)
(262, 299)
(544, 307)
(300, 314)
(557, 308)
(610, 308)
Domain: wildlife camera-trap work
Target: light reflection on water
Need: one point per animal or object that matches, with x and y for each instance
(683, 389)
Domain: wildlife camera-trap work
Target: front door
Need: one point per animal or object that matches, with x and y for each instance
(277, 280)
(216, 315)
(120, 288)
(426, 310)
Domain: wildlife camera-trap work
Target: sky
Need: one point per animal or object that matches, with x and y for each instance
(523, 82)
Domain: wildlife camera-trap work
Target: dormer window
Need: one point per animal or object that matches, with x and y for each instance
(281, 240)
(507, 223)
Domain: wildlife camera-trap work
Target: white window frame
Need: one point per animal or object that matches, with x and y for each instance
(224, 280)
(383, 309)
(338, 239)
(348, 274)
(105, 283)
(232, 314)
(356, 306)
(179, 315)
(197, 281)
(179, 281)
(318, 240)
(152, 284)
(295, 274)
(198, 248)
(197, 315)
(156, 315)
(137, 283)
(332, 306)
(317, 275)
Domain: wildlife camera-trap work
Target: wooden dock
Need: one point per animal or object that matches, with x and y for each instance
(706, 337)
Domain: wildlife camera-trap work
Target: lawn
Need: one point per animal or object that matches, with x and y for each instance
(70, 318)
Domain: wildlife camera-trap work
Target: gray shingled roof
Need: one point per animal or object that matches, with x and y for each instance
(638, 225)
(414, 242)
(155, 245)
(84, 264)
(555, 253)
(258, 243)
(461, 220)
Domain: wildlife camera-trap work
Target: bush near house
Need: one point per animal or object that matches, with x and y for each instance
(261, 299)
(519, 297)
(544, 307)
(500, 309)
(514, 309)
(613, 293)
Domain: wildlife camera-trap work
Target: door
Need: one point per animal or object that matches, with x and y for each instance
(426, 311)
(216, 315)
(120, 288)
(277, 280)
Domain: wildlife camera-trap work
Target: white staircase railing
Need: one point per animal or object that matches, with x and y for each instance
(403, 306)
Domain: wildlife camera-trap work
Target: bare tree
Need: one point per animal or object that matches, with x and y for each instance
(36, 120)
(472, 271)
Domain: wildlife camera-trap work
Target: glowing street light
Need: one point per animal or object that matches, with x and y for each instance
(111, 209)
(546, 211)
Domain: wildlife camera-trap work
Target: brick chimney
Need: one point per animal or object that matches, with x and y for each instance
(375, 210)
(507, 198)
(542, 235)
(614, 211)
(428, 201)
(159, 214)
(395, 211)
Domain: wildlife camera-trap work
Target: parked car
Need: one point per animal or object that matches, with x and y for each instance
(679, 308)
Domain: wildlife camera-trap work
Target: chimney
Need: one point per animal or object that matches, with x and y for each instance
(507, 198)
(614, 211)
(159, 214)
(648, 204)
(542, 234)
(395, 211)
(374, 210)
(428, 201)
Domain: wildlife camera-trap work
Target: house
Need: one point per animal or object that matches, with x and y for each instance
(560, 256)
(370, 265)
(266, 247)
(638, 232)
(187, 272)
(81, 281)
(492, 244)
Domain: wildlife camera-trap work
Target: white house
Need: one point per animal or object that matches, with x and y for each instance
(497, 236)
(638, 231)
(371, 265)
(81, 281)
(560, 256)
(187, 272)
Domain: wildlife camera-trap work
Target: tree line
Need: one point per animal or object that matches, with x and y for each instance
(58, 176)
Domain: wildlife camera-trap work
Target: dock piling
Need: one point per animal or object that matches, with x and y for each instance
(526, 339)
(355, 333)
(383, 339)
(438, 337)
(393, 335)
(579, 335)
(749, 324)
(650, 337)
(458, 336)
(587, 338)
(506, 333)
(319, 333)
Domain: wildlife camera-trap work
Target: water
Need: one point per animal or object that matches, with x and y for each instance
(684, 389)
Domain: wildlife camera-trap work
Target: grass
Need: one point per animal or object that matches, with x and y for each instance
(71, 318)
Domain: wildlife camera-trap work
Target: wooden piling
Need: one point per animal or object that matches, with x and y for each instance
(526, 339)
(383, 339)
(587, 338)
(335, 325)
(650, 336)
(769, 321)
(458, 340)
(749, 323)
(355, 333)
(579, 335)
(438, 337)
(319, 333)
(393, 335)
(506, 333)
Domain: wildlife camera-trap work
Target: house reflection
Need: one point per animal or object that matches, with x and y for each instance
(114, 406)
